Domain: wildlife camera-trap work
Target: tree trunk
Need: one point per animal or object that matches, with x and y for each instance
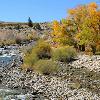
(93, 49)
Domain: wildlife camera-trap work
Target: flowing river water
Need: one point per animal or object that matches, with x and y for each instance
(7, 56)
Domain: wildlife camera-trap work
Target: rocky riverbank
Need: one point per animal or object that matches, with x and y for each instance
(74, 81)
(90, 62)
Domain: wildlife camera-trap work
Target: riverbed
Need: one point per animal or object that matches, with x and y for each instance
(8, 57)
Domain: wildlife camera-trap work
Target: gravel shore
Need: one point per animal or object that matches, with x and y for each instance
(78, 80)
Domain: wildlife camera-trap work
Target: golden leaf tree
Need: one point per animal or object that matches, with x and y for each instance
(81, 28)
(87, 20)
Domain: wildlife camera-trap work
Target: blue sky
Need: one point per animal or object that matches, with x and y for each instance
(38, 10)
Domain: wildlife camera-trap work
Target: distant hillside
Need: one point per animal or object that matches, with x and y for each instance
(42, 26)
(10, 32)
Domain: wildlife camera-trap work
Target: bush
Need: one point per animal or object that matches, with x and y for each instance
(18, 40)
(43, 50)
(46, 67)
(98, 48)
(7, 42)
(64, 54)
(67, 41)
(88, 51)
(29, 60)
(7, 38)
(32, 36)
(37, 26)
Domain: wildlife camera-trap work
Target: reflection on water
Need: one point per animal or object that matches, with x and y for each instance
(6, 56)
(7, 94)
(6, 60)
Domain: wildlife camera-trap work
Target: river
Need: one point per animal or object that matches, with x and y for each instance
(7, 56)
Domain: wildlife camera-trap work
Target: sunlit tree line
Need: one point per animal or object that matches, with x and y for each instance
(81, 28)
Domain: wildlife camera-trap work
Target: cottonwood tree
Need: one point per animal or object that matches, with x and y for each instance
(87, 20)
(62, 32)
(82, 27)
